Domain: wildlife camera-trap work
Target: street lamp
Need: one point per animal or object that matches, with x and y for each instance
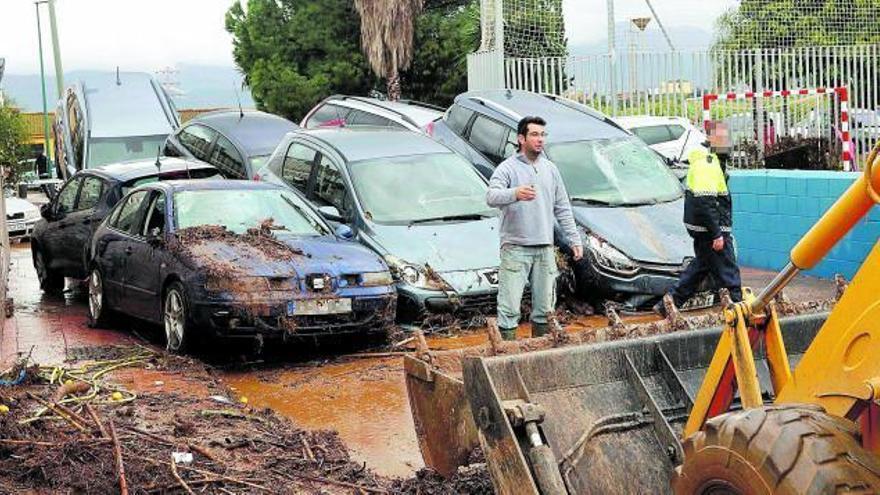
(46, 150)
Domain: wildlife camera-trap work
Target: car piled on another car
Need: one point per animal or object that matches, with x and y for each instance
(60, 240)
(236, 142)
(408, 198)
(178, 253)
(347, 111)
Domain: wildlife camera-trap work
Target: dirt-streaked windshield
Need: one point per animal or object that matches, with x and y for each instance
(413, 188)
(242, 209)
(621, 171)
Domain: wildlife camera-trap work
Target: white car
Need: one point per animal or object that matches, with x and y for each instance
(672, 137)
(21, 216)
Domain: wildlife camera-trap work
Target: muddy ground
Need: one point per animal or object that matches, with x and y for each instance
(349, 400)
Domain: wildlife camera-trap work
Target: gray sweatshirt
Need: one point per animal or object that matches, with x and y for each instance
(530, 223)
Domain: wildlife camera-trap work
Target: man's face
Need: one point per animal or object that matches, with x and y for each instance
(533, 141)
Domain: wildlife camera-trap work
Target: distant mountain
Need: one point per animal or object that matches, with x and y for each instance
(684, 38)
(193, 86)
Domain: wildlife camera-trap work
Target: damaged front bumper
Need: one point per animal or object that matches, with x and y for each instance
(274, 319)
(644, 286)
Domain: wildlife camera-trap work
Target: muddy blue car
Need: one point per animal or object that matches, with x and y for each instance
(233, 259)
(413, 201)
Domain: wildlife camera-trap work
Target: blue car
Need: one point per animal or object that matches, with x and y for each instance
(231, 259)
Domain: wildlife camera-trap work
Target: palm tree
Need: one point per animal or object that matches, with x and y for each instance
(387, 28)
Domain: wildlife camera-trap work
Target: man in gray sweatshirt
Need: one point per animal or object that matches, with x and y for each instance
(528, 189)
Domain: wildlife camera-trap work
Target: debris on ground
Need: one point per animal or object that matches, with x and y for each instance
(66, 432)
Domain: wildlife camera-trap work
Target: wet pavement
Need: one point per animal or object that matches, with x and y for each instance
(361, 396)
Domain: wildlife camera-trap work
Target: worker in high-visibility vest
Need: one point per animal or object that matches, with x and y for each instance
(707, 218)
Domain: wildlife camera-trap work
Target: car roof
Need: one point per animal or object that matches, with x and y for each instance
(215, 185)
(646, 120)
(257, 133)
(363, 143)
(420, 113)
(130, 108)
(566, 120)
(135, 169)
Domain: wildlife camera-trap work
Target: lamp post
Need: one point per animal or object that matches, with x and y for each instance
(46, 149)
(56, 49)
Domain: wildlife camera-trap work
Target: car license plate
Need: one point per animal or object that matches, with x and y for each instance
(15, 226)
(699, 301)
(319, 307)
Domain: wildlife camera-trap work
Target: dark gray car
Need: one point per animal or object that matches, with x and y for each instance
(626, 202)
(237, 143)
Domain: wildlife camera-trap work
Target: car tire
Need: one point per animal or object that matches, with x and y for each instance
(100, 313)
(176, 319)
(50, 280)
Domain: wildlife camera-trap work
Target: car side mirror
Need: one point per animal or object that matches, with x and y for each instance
(331, 213)
(154, 236)
(344, 231)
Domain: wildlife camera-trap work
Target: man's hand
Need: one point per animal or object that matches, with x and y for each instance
(525, 193)
(718, 244)
(577, 252)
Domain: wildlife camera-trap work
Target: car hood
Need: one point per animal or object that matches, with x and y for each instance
(18, 205)
(305, 255)
(650, 233)
(445, 247)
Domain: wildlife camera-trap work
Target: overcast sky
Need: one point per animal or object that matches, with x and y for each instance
(151, 34)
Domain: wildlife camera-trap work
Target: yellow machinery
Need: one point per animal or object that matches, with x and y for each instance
(838, 376)
(711, 411)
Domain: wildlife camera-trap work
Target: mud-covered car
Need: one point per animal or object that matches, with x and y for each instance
(233, 259)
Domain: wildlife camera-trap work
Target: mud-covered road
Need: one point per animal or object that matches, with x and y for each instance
(357, 390)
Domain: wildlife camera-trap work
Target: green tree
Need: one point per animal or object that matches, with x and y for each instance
(13, 135)
(296, 52)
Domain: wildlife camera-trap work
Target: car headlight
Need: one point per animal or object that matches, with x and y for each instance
(609, 257)
(373, 279)
(421, 277)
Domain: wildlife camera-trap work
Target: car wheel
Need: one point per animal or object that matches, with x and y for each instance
(99, 311)
(178, 329)
(50, 280)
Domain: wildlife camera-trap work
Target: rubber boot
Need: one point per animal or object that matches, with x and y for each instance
(507, 333)
(539, 329)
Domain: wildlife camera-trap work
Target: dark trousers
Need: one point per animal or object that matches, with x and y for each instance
(721, 264)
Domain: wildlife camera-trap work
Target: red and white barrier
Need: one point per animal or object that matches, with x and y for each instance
(841, 92)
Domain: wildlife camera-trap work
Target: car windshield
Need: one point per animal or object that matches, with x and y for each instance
(620, 171)
(112, 150)
(289, 214)
(414, 188)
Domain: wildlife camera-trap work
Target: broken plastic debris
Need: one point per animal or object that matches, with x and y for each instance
(182, 457)
(220, 399)
(158, 383)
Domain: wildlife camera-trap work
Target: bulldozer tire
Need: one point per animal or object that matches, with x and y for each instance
(792, 449)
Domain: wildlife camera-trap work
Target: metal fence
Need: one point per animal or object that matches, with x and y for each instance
(673, 83)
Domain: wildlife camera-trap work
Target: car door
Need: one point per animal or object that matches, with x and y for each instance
(119, 246)
(226, 157)
(489, 137)
(81, 223)
(296, 168)
(57, 225)
(144, 261)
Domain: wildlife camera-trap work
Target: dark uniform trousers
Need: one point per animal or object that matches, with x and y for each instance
(721, 264)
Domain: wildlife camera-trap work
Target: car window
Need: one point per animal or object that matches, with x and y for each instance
(675, 131)
(90, 193)
(458, 117)
(67, 196)
(190, 173)
(359, 117)
(127, 218)
(155, 221)
(197, 139)
(653, 134)
(329, 184)
(298, 166)
(510, 145)
(486, 135)
(329, 115)
(227, 159)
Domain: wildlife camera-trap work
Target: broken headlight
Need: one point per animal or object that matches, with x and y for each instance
(374, 279)
(609, 257)
(421, 277)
